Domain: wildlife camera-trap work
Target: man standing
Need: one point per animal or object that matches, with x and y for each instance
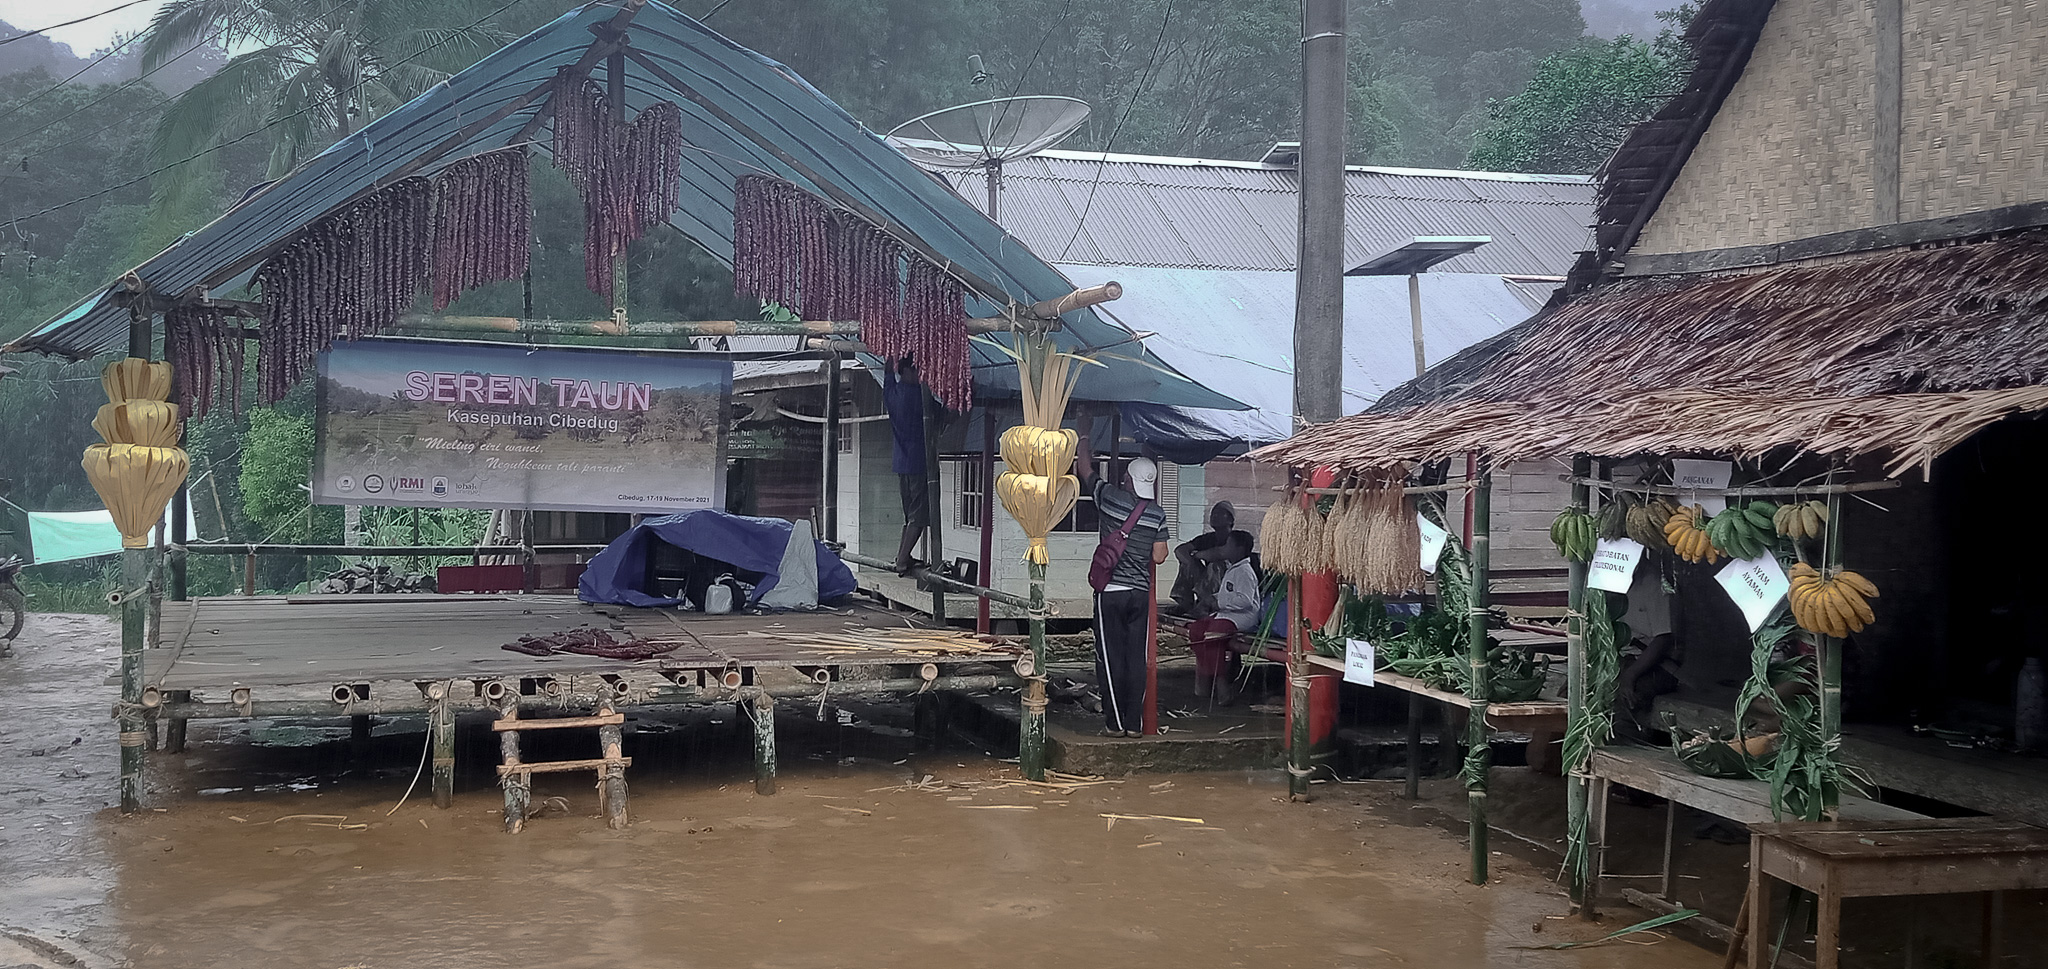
(903, 398)
(1130, 521)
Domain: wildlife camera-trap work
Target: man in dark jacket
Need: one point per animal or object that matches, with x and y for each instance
(903, 398)
(1123, 608)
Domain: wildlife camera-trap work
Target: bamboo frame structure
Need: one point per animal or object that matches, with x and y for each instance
(1578, 785)
(1479, 755)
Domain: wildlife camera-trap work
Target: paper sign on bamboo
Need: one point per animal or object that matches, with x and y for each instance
(1614, 565)
(1358, 662)
(1710, 477)
(1757, 585)
(1432, 542)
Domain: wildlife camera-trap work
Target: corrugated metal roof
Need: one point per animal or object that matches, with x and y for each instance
(742, 113)
(1233, 330)
(1209, 214)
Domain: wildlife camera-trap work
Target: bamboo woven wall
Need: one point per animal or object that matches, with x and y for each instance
(1788, 155)
(1973, 135)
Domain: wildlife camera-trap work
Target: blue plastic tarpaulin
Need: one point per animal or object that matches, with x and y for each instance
(619, 573)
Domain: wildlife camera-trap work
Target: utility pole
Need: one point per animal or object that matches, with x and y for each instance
(1319, 269)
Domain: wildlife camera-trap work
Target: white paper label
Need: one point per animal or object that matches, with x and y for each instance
(1432, 542)
(1757, 585)
(1708, 477)
(1614, 565)
(1358, 662)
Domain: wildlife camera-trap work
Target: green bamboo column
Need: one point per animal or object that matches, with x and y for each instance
(762, 712)
(1031, 729)
(1298, 684)
(1477, 754)
(1578, 787)
(441, 731)
(1831, 655)
(135, 567)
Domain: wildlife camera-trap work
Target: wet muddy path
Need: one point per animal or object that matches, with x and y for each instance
(872, 854)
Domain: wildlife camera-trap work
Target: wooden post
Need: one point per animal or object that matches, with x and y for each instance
(1297, 696)
(984, 571)
(934, 505)
(1031, 731)
(441, 725)
(174, 728)
(1150, 719)
(762, 712)
(1414, 746)
(517, 784)
(1475, 722)
(828, 498)
(1577, 784)
(611, 788)
(615, 92)
(249, 573)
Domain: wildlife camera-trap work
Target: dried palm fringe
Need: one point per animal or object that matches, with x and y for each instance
(792, 248)
(627, 175)
(355, 272)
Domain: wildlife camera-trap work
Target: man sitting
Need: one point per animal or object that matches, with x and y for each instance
(1233, 609)
(1201, 559)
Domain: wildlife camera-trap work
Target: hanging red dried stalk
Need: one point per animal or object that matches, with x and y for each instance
(347, 276)
(627, 175)
(205, 346)
(483, 223)
(791, 248)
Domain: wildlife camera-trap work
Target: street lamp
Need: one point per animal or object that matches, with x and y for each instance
(1411, 259)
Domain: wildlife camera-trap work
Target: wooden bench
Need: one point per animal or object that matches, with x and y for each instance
(1658, 771)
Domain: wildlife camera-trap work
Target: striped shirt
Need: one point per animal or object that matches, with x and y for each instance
(1113, 506)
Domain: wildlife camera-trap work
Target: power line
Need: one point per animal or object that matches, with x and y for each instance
(238, 139)
(44, 30)
(1144, 83)
(46, 92)
(138, 79)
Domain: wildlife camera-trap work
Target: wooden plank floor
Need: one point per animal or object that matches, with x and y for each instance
(317, 640)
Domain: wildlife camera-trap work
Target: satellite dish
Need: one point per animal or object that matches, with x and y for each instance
(985, 134)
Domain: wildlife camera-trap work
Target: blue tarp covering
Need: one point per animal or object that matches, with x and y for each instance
(618, 573)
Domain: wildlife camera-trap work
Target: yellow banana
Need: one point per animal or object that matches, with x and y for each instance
(1862, 585)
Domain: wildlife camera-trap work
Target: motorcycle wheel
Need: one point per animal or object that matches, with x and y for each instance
(13, 610)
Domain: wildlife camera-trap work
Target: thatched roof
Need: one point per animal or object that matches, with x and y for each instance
(1903, 353)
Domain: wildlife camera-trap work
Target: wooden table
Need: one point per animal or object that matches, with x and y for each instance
(1861, 859)
(1540, 719)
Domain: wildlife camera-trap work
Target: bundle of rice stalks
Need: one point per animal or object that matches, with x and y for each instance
(1284, 535)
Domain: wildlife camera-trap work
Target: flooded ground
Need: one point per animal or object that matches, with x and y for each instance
(276, 849)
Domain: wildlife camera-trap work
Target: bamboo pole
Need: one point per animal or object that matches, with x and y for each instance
(828, 498)
(984, 572)
(1475, 722)
(762, 712)
(1578, 786)
(1150, 720)
(611, 787)
(1031, 730)
(1298, 680)
(934, 508)
(134, 605)
(516, 784)
(442, 727)
(1831, 656)
(923, 574)
(1740, 491)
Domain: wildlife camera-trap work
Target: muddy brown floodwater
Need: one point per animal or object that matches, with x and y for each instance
(251, 856)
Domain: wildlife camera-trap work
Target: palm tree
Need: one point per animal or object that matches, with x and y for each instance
(309, 72)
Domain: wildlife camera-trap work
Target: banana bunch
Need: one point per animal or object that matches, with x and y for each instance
(1744, 531)
(1574, 532)
(1802, 519)
(1644, 522)
(1614, 517)
(1831, 606)
(1686, 531)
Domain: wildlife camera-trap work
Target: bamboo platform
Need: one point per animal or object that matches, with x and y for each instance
(280, 641)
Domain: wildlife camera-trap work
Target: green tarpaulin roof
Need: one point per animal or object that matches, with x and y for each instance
(742, 113)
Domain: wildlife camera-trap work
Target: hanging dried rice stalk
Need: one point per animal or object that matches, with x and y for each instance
(1284, 535)
(483, 223)
(347, 276)
(627, 175)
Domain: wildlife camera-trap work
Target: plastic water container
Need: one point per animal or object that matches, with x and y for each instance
(718, 596)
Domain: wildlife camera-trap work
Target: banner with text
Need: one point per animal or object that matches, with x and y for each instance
(442, 425)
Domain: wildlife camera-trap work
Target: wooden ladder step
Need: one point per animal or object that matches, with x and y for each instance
(557, 766)
(557, 723)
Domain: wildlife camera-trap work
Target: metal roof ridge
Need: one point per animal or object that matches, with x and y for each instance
(1174, 160)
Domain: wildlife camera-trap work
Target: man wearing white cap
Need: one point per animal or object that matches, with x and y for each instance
(1132, 527)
